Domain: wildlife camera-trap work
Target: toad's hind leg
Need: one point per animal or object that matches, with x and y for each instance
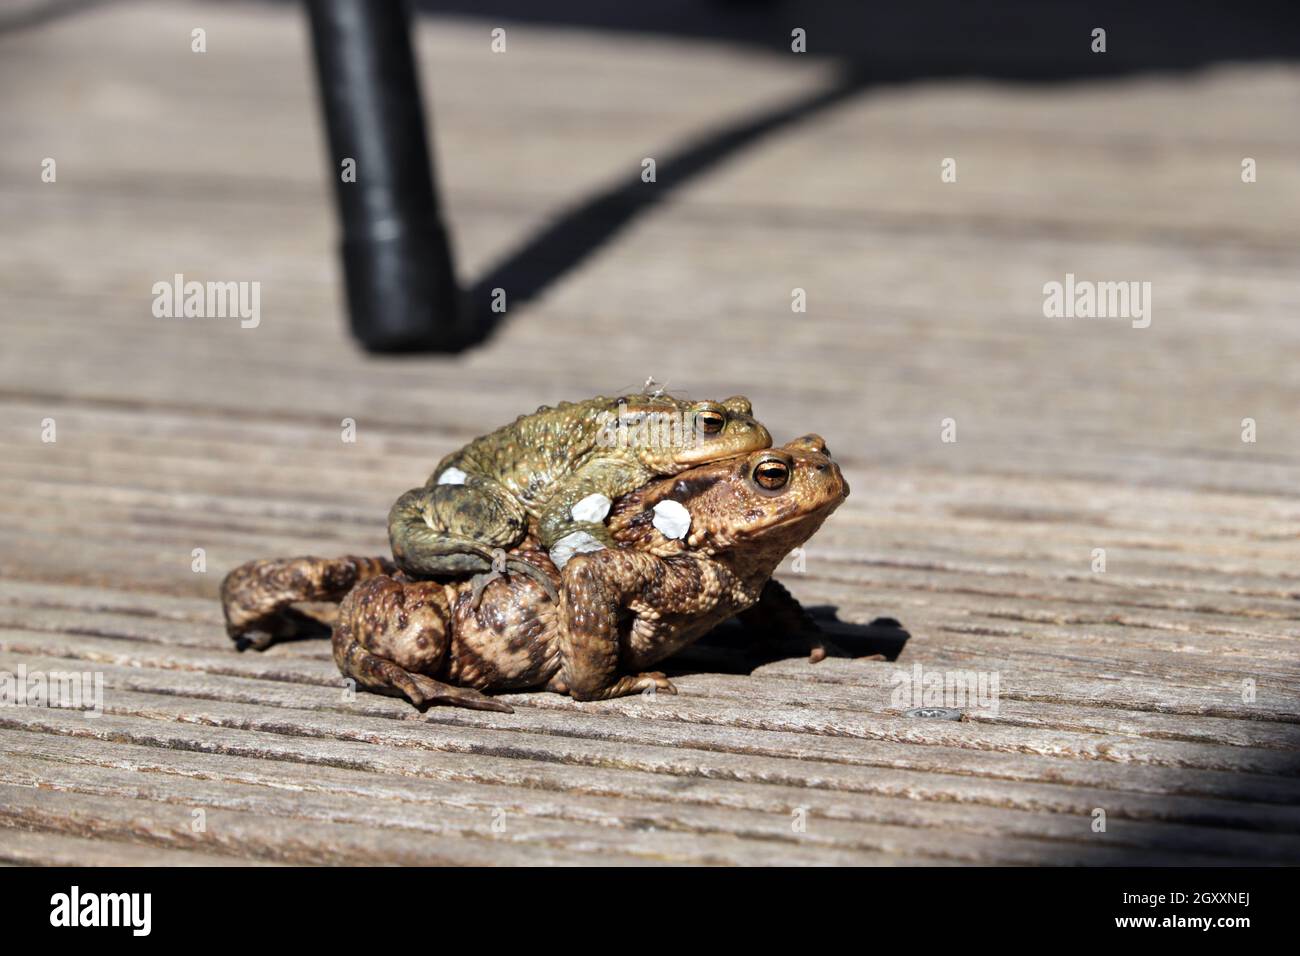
(391, 635)
(461, 528)
(257, 598)
(454, 528)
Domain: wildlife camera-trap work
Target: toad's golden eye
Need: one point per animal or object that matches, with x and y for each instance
(771, 474)
(710, 422)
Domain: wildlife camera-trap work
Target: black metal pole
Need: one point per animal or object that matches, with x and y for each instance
(397, 262)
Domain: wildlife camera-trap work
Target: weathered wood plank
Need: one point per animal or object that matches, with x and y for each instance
(593, 765)
(1020, 836)
(1126, 690)
(255, 836)
(45, 848)
(900, 815)
(708, 726)
(865, 685)
(1110, 717)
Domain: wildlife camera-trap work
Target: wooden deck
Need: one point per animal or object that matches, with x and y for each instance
(1126, 691)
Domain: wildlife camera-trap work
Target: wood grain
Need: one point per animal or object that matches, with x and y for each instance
(1164, 691)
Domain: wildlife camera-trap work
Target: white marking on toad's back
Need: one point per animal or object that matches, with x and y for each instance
(577, 542)
(592, 508)
(672, 519)
(452, 476)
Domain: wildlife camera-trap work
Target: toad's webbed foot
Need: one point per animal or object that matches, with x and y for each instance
(385, 677)
(626, 686)
(820, 647)
(280, 625)
(778, 615)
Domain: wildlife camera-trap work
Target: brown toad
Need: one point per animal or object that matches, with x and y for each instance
(619, 610)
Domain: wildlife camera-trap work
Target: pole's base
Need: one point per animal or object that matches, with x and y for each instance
(402, 294)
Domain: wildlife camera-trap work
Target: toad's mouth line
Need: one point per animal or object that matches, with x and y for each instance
(706, 453)
(792, 519)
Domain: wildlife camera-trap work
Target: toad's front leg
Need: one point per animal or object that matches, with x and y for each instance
(593, 600)
(573, 521)
(257, 598)
(778, 613)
